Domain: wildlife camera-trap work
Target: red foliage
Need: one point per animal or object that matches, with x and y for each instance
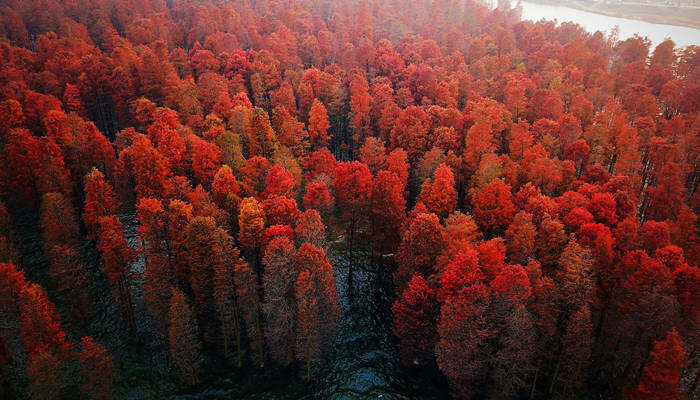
(226, 191)
(600, 241)
(654, 235)
(511, 283)
(208, 248)
(320, 166)
(439, 194)
(278, 182)
(280, 210)
(521, 238)
(318, 125)
(415, 315)
(205, 161)
(142, 166)
(279, 300)
(514, 142)
(45, 342)
(309, 228)
(317, 305)
(275, 231)
(603, 206)
(550, 241)
(251, 222)
(253, 176)
(662, 375)
(492, 255)
(420, 247)
(397, 163)
(387, 211)
(373, 153)
(100, 200)
(463, 271)
(319, 198)
(493, 207)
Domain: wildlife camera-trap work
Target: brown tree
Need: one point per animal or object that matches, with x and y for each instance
(185, 346)
(96, 369)
(117, 256)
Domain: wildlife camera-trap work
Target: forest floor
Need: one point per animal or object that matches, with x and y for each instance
(654, 13)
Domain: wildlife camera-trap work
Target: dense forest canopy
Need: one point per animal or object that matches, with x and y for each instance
(199, 187)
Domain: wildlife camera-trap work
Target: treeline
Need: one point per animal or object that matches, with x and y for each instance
(534, 185)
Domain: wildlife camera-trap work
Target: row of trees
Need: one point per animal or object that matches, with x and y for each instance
(536, 185)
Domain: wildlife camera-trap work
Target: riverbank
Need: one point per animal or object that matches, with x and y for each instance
(653, 13)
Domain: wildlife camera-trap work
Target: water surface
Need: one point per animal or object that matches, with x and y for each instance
(681, 35)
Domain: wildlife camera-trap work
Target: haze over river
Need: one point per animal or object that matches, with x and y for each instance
(681, 35)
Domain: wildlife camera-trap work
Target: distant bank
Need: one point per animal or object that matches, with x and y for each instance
(656, 13)
(592, 21)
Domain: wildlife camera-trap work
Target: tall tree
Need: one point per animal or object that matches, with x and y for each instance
(160, 273)
(185, 346)
(100, 201)
(317, 305)
(117, 256)
(439, 194)
(61, 235)
(9, 250)
(46, 344)
(465, 336)
(660, 378)
(227, 305)
(521, 238)
(577, 345)
(279, 303)
(251, 222)
(388, 211)
(493, 207)
(415, 314)
(420, 247)
(309, 228)
(353, 188)
(318, 125)
(96, 369)
(248, 296)
(208, 248)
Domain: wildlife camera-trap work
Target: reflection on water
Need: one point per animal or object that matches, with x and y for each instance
(681, 35)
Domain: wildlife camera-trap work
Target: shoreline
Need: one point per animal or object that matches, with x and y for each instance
(655, 14)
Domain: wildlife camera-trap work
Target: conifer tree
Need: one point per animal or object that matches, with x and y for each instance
(96, 369)
(183, 338)
(116, 265)
(661, 376)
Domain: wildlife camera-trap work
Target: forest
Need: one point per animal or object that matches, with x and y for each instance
(343, 199)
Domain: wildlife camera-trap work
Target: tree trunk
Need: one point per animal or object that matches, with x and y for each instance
(258, 321)
(554, 376)
(308, 362)
(351, 260)
(237, 326)
(534, 382)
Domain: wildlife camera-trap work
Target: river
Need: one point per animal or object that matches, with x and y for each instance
(681, 35)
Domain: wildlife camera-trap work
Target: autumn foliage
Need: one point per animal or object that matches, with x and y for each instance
(219, 188)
